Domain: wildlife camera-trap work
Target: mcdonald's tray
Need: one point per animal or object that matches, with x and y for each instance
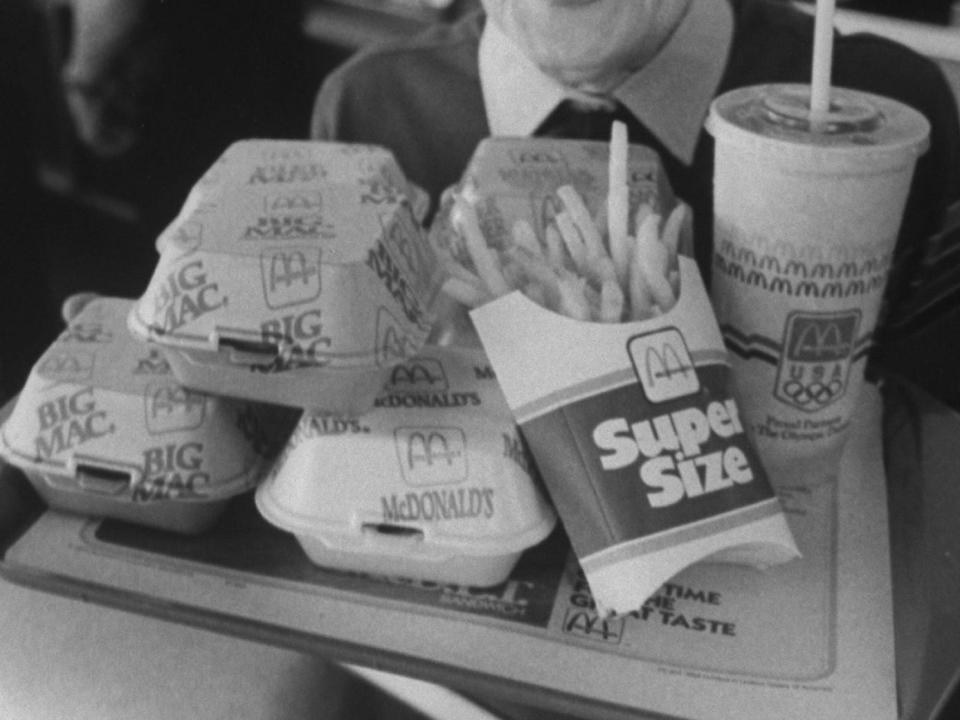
(812, 638)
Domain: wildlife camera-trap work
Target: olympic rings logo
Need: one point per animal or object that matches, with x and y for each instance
(816, 393)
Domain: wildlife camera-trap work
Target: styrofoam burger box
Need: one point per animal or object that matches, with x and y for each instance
(103, 428)
(433, 483)
(297, 273)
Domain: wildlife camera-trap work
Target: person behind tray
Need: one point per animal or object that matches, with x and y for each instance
(567, 68)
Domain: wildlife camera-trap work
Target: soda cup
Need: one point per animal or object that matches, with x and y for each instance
(806, 217)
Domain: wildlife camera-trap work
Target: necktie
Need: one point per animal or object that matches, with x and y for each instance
(573, 120)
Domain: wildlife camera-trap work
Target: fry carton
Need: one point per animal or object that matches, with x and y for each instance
(297, 273)
(632, 423)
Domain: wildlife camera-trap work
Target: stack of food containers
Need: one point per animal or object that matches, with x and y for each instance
(103, 428)
(296, 275)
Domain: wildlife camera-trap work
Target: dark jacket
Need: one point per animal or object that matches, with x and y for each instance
(421, 98)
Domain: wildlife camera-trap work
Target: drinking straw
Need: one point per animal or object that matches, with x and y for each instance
(822, 59)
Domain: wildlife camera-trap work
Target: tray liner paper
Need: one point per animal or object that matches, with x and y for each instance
(638, 438)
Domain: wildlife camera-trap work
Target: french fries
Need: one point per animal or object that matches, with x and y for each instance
(590, 269)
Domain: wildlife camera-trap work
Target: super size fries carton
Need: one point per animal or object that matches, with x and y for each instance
(297, 273)
(433, 483)
(632, 422)
(103, 428)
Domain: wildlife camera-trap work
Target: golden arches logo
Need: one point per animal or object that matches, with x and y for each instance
(170, 399)
(818, 351)
(155, 363)
(663, 365)
(393, 342)
(428, 448)
(424, 373)
(300, 201)
(86, 333)
(172, 407)
(289, 268)
(825, 338)
(291, 276)
(66, 365)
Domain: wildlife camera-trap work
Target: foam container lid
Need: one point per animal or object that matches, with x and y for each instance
(98, 399)
(293, 254)
(439, 453)
(510, 179)
(297, 163)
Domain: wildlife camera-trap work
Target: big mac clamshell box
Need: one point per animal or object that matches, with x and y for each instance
(102, 428)
(296, 273)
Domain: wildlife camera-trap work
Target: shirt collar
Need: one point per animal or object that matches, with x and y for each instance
(670, 95)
